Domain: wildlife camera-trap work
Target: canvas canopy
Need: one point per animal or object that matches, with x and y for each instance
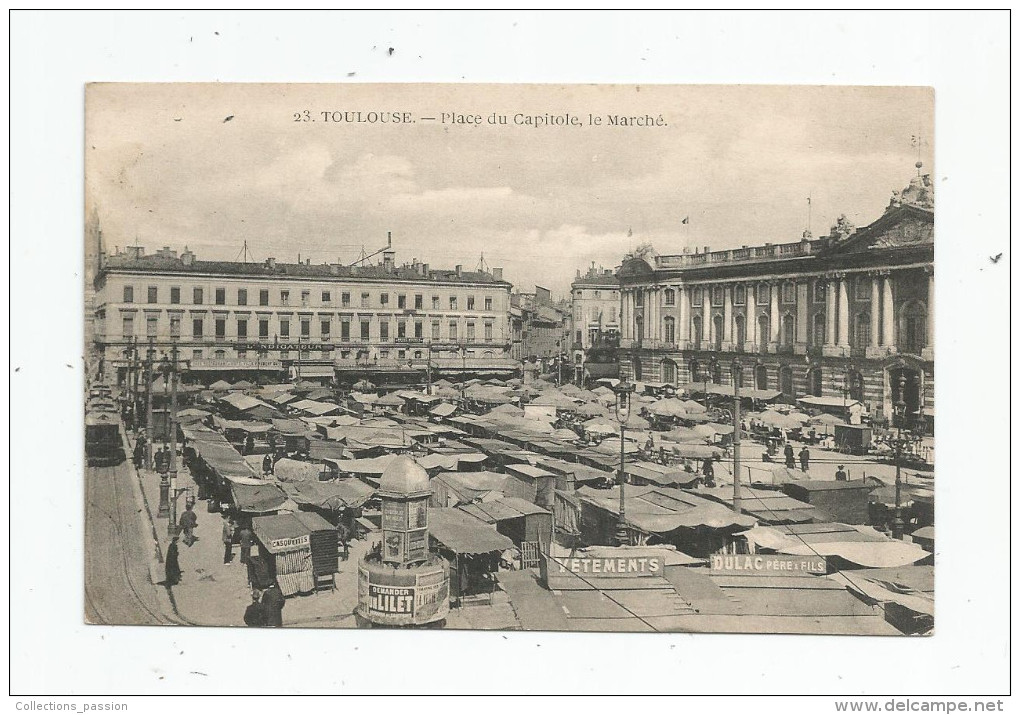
(464, 534)
(334, 495)
(258, 498)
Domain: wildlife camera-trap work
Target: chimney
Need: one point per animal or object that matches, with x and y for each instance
(387, 259)
(187, 257)
(459, 269)
(425, 270)
(308, 261)
(497, 274)
(707, 249)
(334, 269)
(271, 263)
(578, 275)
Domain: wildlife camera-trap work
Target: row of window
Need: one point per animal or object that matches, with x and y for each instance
(762, 293)
(305, 327)
(326, 298)
(384, 354)
(598, 314)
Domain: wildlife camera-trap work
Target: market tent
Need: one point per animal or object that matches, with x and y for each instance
(444, 409)
(254, 497)
(659, 475)
(563, 433)
(334, 495)
(464, 534)
(292, 470)
(670, 407)
(570, 390)
(683, 434)
(826, 402)
(451, 489)
(557, 400)
(390, 400)
(591, 409)
(599, 426)
(312, 407)
(288, 542)
(242, 385)
(693, 407)
(507, 409)
(363, 385)
(655, 510)
(694, 451)
(290, 427)
(370, 466)
(220, 385)
(868, 554)
(450, 462)
(771, 418)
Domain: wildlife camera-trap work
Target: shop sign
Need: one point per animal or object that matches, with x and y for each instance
(291, 543)
(234, 364)
(408, 341)
(285, 346)
(614, 567)
(432, 596)
(769, 564)
(391, 600)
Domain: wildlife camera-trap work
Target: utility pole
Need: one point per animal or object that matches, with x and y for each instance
(133, 382)
(737, 376)
(150, 432)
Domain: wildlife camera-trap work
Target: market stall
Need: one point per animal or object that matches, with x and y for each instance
(285, 544)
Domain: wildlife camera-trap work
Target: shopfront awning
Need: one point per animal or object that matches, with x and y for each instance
(257, 498)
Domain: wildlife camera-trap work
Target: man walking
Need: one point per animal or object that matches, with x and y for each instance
(805, 457)
(172, 564)
(247, 541)
(228, 539)
(788, 452)
(840, 474)
(189, 522)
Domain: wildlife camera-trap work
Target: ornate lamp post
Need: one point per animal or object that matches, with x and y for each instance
(899, 414)
(164, 478)
(623, 392)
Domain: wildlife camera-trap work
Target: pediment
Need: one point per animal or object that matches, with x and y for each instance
(902, 227)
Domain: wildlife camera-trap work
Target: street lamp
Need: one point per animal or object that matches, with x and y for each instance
(712, 365)
(623, 392)
(899, 414)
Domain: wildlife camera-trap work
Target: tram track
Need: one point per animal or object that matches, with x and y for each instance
(117, 588)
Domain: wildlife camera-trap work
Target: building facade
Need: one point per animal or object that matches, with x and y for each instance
(324, 315)
(542, 325)
(595, 307)
(850, 314)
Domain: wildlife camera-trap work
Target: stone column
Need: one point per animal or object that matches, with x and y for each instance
(684, 328)
(875, 315)
(830, 314)
(774, 289)
(844, 315)
(751, 319)
(803, 321)
(888, 315)
(706, 317)
(727, 317)
(928, 351)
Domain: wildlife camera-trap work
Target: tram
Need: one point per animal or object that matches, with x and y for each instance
(104, 445)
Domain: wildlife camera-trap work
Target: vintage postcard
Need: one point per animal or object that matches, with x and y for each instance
(510, 357)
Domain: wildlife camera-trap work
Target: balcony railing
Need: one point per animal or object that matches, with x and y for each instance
(756, 253)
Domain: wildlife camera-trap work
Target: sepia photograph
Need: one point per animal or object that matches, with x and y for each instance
(510, 357)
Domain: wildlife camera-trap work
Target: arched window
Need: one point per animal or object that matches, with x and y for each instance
(862, 330)
(669, 371)
(739, 294)
(696, 332)
(789, 292)
(669, 329)
(636, 366)
(818, 330)
(761, 377)
(670, 296)
(717, 329)
(786, 381)
(763, 333)
(695, 368)
(913, 326)
(787, 335)
(740, 331)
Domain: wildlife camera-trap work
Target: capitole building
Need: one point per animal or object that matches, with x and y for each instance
(849, 315)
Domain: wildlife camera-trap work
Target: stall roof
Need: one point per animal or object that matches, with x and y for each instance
(464, 534)
(314, 407)
(320, 449)
(372, 465)
(279, 531)
(292, 470)
(450, 461)
(313, 522)
(243, 402)
(662, 476)
(830, 402)
(527, 470)
(502, 509)
(767, 506)
(330, 495)
(290, 427)
(657, 510)
(257, 498)
(444, 409)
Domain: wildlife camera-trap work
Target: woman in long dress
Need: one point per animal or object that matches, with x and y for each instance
(173, 566)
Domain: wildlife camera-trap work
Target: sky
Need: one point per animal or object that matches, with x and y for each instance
(166, 167)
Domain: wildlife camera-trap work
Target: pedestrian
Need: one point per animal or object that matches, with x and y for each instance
(272, 603)
(249, 444)
(247, 541)
(267, 465)
(139, 454)
(228, 539)
(709, 471)
(172, 564)
(788, 452)
(189, 522)
(840, 474)
(255, 613)
(805, 457)
(344, 536)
